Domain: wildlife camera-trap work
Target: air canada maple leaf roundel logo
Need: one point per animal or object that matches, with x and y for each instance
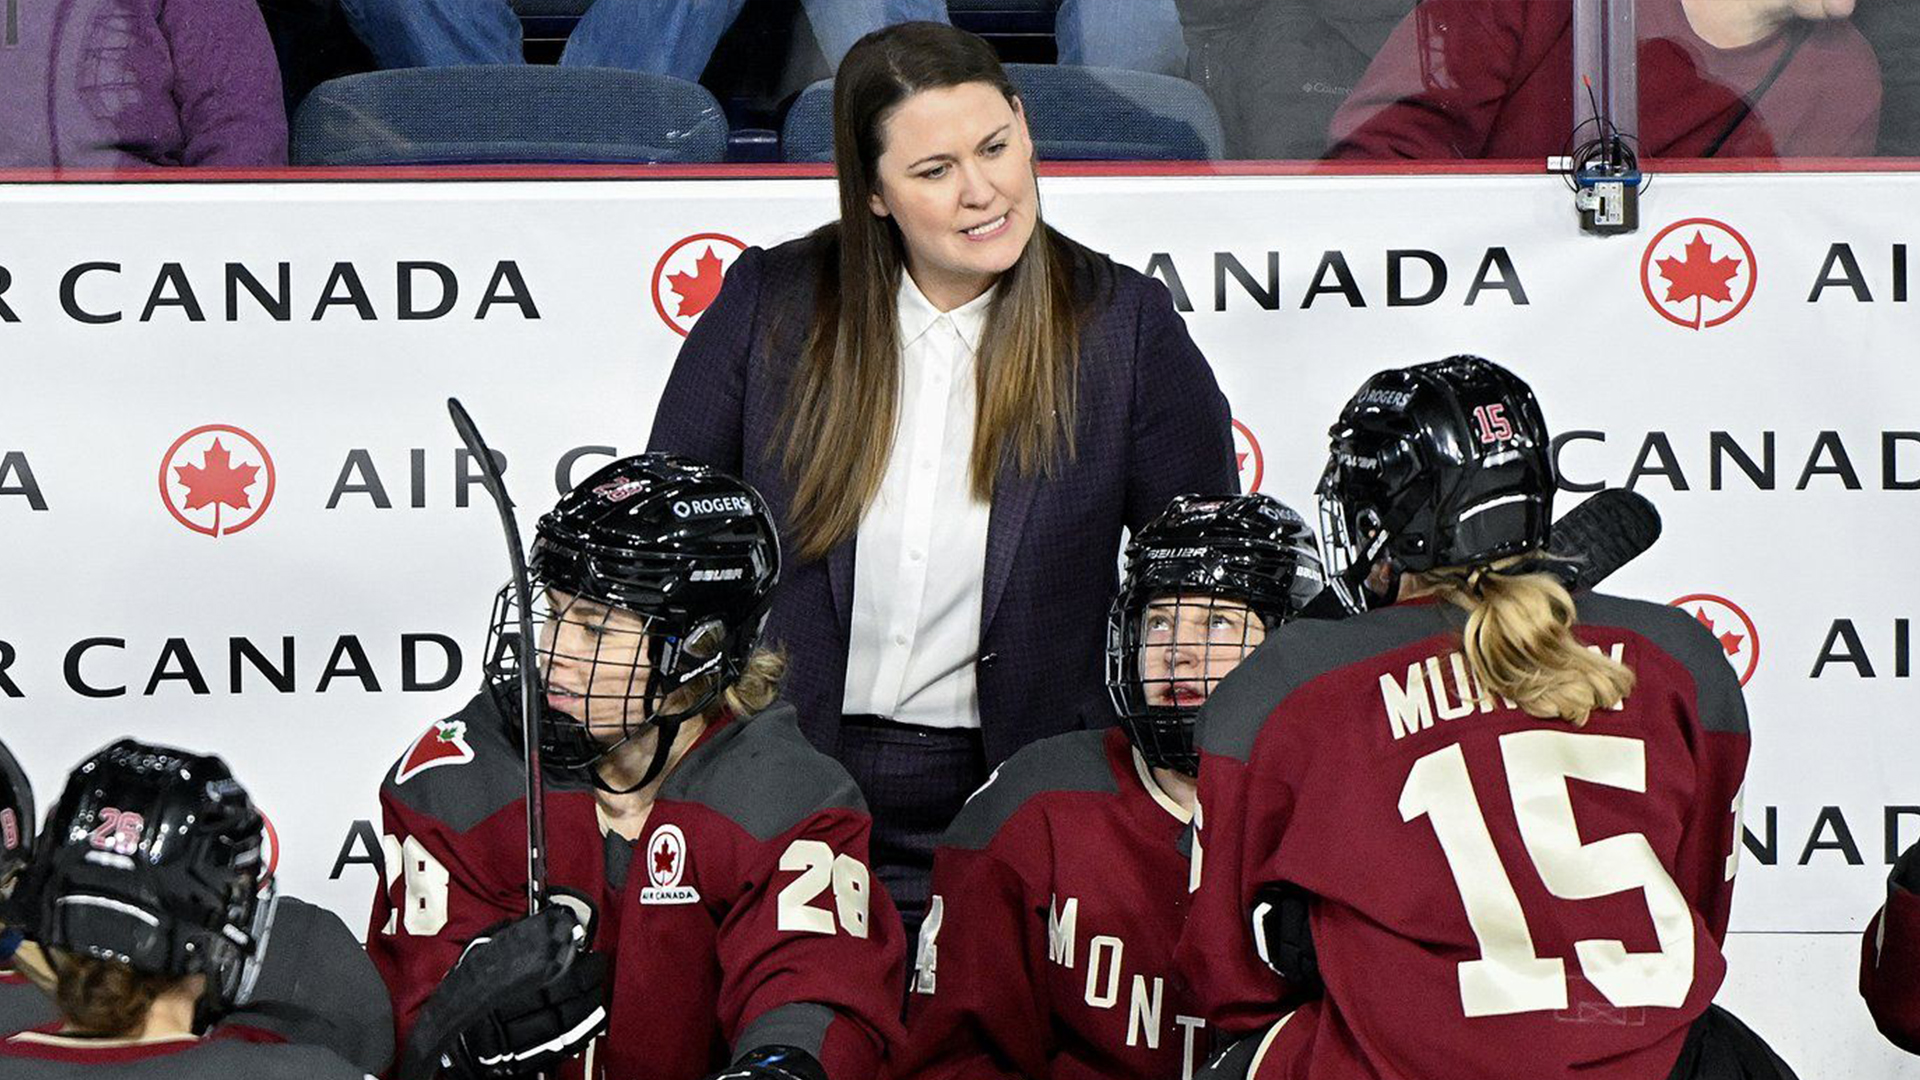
(216, 480)
(1699, 273)
(687, 278)
(270, 849)
(1247, 458)
(1739, 639)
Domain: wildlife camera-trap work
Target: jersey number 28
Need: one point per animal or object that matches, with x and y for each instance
(1510, 976)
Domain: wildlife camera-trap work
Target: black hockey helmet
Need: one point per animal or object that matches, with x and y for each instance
(690, 550)
(1439, 464)
(1250, 549)
(16, 821)
(152, 858)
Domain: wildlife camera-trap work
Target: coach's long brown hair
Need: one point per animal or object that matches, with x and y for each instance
(840, 407)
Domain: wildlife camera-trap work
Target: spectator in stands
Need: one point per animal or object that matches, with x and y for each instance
(1278, 69)
(665, 37)
(134, 83)
(676, 37)
(1494, 79)
(1892, 27)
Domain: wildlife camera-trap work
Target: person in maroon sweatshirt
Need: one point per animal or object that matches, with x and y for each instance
(1890, 957)
(1494, 79)
(1047, 952)
(1513, 807)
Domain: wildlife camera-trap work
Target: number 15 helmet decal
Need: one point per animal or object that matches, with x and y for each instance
(1440, 464)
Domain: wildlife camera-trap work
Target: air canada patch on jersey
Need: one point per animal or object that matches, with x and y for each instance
(445, 743)
(666, 865)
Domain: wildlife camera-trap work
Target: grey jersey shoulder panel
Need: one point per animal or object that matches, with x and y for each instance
(1300, 652)
(1716, 688)
(463, 795)
(319, 988)
(763, 775)
(210, 1059)
(800, 1024)
(1075, 761)
(24, 1006)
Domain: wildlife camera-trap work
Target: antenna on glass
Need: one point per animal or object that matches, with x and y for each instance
(1602, 164)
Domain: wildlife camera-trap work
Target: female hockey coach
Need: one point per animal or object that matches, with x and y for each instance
(1514, 808)
(953, 411)
(1059, 891)
(145, 888)
(720, 862)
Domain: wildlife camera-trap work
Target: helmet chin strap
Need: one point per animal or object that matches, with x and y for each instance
(669, 733)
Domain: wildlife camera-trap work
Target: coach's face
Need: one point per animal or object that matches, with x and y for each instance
(956, 175)
(594, 658)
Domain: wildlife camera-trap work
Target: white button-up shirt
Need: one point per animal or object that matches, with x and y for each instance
(919, 566)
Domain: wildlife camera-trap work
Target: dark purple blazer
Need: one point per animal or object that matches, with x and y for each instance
(1152, 424)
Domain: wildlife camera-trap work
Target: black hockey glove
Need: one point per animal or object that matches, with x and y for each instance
(773, 1063)
(1906, 871)
(524, 997)
(1283, 936)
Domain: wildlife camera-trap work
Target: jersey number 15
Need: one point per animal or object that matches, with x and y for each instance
(1510, 976)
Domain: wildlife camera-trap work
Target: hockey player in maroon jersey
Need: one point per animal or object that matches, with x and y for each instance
(723, 859)
(1890, 957)
(23, 974)
(1514, 809)
(316, 986)
(1047, 952)
(145, 888)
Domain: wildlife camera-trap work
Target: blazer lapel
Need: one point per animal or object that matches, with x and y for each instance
(1013, 496)
(840, 580)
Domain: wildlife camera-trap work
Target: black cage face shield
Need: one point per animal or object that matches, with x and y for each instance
(1166, 658)
(605, 671)
(1206, 581)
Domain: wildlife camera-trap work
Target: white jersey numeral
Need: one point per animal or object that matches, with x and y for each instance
(423, 908)
(819, 868)
(926, 961)
(1510, 976)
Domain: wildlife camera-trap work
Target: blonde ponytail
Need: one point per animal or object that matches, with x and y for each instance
(1520, 644)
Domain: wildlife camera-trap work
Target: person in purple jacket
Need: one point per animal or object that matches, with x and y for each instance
(954, 411)
(111, 84)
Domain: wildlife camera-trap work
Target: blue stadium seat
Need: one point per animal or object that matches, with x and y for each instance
(1078, 114)
(511, 114)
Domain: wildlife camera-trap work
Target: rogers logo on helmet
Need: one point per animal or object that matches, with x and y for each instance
(620, 489)
(719, 504)
(1394, 399)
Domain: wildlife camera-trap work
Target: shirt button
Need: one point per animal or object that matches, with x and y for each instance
(925, 465)
(899, 639)
(914, 555)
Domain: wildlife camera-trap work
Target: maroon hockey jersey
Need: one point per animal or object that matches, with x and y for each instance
(1890, 969)
(315, 988)
(35, 1055)
(1047, 952)
(23, 1006)
(745, 915)
(1501, 897)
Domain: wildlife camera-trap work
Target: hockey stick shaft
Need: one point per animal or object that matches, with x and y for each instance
(496, 485)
